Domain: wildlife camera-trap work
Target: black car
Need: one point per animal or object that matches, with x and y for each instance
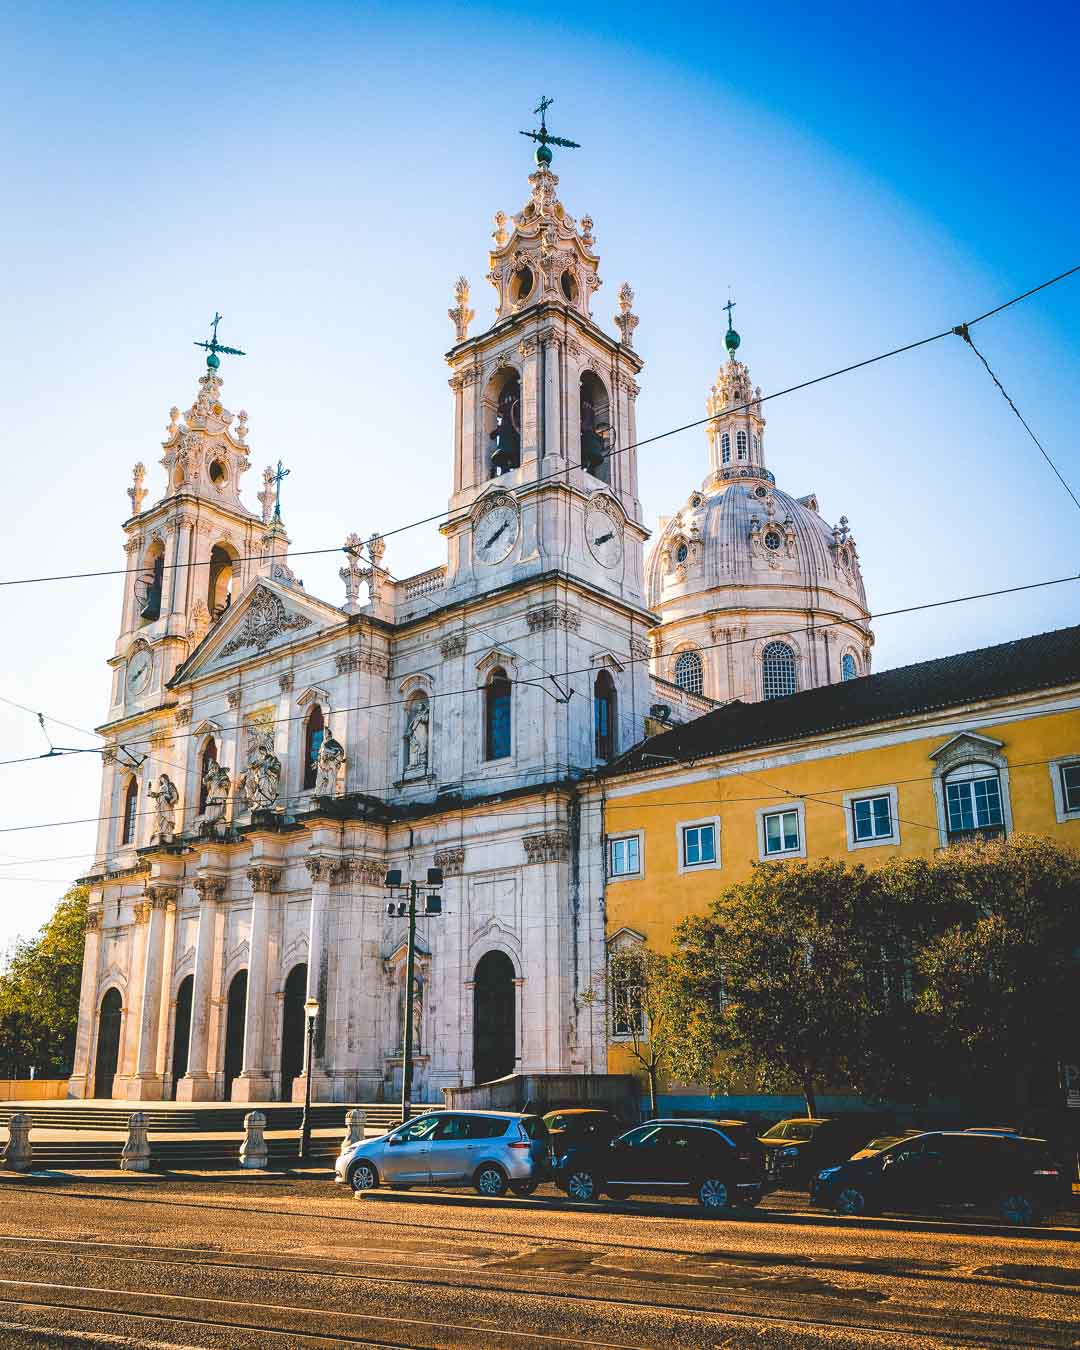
(1009, 1175)
(796, 1149)
(719, 1161)
(581, 1125)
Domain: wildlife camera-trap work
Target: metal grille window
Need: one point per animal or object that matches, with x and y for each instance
(781, 829)
(624, 856)
(699, 845)
(689, 674)
(974, 804)
(1070, 786)
(777, 670)
(848, 669)
(740, 443)
(871, 818)
(725, 447)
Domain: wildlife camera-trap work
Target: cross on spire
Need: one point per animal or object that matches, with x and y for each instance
(543, 137)
(214, 346)
(276, 478)
(729, 307)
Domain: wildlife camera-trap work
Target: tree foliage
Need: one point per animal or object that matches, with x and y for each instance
(642, 1009)
(39, 993)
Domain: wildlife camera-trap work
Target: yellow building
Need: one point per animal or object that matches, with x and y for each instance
(986, 742)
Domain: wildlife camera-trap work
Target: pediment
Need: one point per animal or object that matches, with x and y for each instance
(965, 745)
(266, 616)
(313, 694)
(495, 656)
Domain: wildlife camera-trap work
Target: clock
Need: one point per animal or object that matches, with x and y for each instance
(603, 534)
(496, 533)
(138, 671)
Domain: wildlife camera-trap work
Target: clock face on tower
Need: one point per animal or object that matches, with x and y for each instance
(495, 534)
(604, 537)
(138, 671)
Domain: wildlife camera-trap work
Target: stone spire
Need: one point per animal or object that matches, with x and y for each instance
(736, 431)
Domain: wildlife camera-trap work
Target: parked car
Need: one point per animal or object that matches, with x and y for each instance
(494, 1151)
(719, 1161)
(883, 1141)
(1010, 1175)
(580, 1124)
(795, 1149)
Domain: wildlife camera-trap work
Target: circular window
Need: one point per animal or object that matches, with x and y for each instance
(682, 553)
(696, 499)
(217, 473)
(760, 492)
(521, 284)
(772, 540)
(569, 286)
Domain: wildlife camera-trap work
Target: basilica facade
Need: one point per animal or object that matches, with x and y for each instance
(270, 755)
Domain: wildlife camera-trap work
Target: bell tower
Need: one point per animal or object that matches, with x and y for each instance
(545, 469)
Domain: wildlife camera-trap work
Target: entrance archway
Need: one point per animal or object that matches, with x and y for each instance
(108, 1043)
(234, 1030)
(181, 1031)
(494, 1018)
(293, 1030)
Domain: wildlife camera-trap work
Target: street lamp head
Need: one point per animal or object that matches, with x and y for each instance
(311, 1009)
(434, 876)
(393, 877)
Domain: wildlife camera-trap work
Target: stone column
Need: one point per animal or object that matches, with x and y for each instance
(197, 1085)
(322, 871)
(553, 413)
(179, 583)
(146, 1085)
(253, 1082)
(81, 1082)
(164, 1060)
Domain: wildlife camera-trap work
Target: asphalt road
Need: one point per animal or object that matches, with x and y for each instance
(264, 1262)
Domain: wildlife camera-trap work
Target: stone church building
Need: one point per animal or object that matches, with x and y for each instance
(271, 754)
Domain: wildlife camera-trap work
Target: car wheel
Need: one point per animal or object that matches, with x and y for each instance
(582, 1186)
(363, 1176)
(714, 1194)
(852, 1201)
(523, 1188)
(1017, 1208)
(490, 1180)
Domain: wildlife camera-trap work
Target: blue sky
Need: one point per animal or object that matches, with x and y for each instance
(861, 176)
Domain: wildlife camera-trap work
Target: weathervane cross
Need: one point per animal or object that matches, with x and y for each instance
(281, 473)
(544, 137)
(729, 307)
(214, 346)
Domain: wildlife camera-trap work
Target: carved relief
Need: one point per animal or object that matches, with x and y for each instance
(453, 646)
(366, 871)
(322, 870)
(266, 618)
(551, 846)
(263, 877)
(451, 860)
(541, 617)
(210, 889)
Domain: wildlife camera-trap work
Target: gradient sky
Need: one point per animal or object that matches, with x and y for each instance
(862, 176)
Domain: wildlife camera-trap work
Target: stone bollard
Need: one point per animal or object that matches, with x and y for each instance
(17, 1152)
(135, 1155)
(254, 1151)
(355, 1121)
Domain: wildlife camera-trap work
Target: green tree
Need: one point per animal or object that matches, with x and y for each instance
(39, 993)
(642, 1009)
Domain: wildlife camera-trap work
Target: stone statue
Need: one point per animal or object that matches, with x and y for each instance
(262, 778)
(165, 800)
(416, 737)
(218, 784)
(330, 758)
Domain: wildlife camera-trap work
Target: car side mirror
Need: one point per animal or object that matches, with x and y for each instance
(394, 1140)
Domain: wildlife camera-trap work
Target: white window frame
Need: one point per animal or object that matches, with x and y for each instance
(776, 809)
(725, 447)
(613, 839)
(1061, 809)
(850, 798)
(742, 445)
(680, 844)
(969, 749)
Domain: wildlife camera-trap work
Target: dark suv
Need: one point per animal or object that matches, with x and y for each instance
(1012, 1176)
(719, 1161)
(796, 1149)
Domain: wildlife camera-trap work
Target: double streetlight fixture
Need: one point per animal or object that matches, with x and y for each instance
(407, 893)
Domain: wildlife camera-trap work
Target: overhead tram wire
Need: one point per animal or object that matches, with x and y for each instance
(608, 454)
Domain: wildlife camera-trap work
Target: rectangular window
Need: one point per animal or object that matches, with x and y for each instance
(781, 832)
(699, 845)
(974, 804)
(624, 856)
(1070, 786)
(871, 818)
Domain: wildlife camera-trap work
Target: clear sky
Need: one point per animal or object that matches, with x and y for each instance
(861, 176)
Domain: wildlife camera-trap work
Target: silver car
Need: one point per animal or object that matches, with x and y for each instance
(494, 1151)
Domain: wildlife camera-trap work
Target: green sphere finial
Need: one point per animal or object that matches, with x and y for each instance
(543, 154)
(213, 361)
(731, 342)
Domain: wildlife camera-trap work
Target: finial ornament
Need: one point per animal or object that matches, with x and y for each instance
(731, 338)
(462, 315)
(214, 346)
(626, 321)
(137, 492)
(543, 137)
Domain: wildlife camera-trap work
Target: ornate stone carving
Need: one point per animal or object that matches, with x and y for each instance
(218, 785)
(462, 315)
(137, 492)
(330, 759)
(553, 615)
(232, 698)
(165, 800)
(417, 733)
(453, 646)
(183, 715)
(451, 860)
(261, 781)
(141, 911)
(108, 755)
(285, 682)
(550, 846)
(366, 871)
(209, 889)
(263, 876)
(93, 920)
(347, 660)
(639, 649)
(161, 895)
(625, 320)
(353, 574)
(323, 870)
(266, 618)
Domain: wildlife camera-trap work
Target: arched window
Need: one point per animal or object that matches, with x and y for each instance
(148, 586)
(209, 756)
(777, 670)
(604, 715)
(688, 672)
(314, 732)
(725, 447)
(503, 411)
(595, 427)
(220, 584)
(757, 444)
(497, 716)
(849, 669)
(131, 810)
(740, 444)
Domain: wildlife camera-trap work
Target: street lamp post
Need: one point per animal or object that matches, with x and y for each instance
(311, 1013)
(399, 908)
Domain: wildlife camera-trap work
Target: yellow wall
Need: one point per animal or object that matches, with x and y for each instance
(32, 1089)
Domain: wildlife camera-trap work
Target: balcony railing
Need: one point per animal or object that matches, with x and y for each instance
(424, 583)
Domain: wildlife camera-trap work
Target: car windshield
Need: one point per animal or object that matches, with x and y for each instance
(534, 1127)
(792, 1129)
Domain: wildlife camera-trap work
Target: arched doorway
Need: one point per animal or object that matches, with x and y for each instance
(292, 1030)
(181, 1031)
(494, 1018)
(108, 1043)
(234, 1030)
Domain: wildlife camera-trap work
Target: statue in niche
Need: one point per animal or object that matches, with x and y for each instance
(416, 737)
(165, 800)
(330, 758)
(218, 784)
(262, 778)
